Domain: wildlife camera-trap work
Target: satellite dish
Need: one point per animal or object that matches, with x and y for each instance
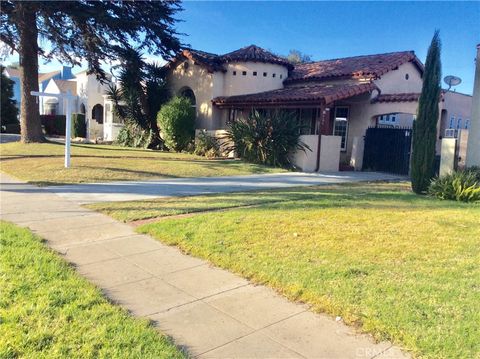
(452, 81)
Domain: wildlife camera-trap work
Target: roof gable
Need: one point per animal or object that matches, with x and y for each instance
(255, 54)
(353, 67)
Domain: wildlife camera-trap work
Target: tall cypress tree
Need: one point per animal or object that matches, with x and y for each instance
(425, 126)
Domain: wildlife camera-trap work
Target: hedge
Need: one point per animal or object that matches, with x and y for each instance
(79, 126)
(54, 125)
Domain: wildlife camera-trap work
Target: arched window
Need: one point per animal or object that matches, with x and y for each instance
(97, 113)
(188, 93)
(83, 109)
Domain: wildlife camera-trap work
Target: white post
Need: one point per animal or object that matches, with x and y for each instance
(68, 123)
(473, 144)
(68, 129)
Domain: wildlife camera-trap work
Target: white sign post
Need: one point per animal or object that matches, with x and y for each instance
(68, 123)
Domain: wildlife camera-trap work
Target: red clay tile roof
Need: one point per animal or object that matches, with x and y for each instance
(214, 62)
(398, 97)
(255, 54)
(297, 95)
(358, 66)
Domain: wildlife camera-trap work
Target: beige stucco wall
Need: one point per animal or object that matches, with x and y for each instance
(306, 160)
(240, 84)
(330, 153)
(362, 115)
(455, 104)
(447, 158)
(394, 81)
(201, 82)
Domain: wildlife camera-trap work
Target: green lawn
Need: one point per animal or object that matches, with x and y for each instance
(48, 311)
(42, 164)
(403, 267)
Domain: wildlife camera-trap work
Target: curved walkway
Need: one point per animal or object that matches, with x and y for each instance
(208, 311)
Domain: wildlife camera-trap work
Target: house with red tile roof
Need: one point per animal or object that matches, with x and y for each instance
(337, 100)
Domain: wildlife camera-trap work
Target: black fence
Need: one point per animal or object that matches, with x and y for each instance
(387, 149)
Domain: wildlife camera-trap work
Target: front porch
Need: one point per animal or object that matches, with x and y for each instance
(334, 119)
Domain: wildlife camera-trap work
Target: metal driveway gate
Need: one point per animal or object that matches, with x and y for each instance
(387, 149)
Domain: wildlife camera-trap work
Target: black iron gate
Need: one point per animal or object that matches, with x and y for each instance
(387, 149)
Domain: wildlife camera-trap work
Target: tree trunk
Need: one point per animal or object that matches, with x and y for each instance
(31, 127)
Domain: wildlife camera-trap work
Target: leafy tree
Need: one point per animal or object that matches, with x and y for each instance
(9, 111)
(94, 31)
(141, 92)
(266, 137)
(177, 123)
(297, 57)
(425, 126)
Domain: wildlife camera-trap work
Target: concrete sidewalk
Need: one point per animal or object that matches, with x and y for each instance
(127, 191)
(208, 311)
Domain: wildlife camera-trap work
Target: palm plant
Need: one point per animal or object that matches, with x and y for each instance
(266, 137)
(139, 96)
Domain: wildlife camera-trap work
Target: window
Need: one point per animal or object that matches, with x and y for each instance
(273, 75)
(452, 122)
(389, 119)
(407, 76)
(459, 123)
(244, 73)
(467, 124)
(254, 73)
(307, 119)
(264, 74)
(341, 125)
(234, 73)
(281, 76)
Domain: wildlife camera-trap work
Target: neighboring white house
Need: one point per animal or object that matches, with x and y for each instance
(337, 100)
(90, 100)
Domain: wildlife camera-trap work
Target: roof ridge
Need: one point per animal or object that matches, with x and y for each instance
(358, 56)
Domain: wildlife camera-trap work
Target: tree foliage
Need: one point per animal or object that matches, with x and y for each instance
(9, 110)
(177, 123)
(140, 93)
(267, 137)
(425, 126)
(72, 31)
(297, 57)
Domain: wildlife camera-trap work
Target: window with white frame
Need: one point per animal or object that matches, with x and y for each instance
(467, 124)
(459, 123)
(389, 119)
(340, 127)
(452, 122)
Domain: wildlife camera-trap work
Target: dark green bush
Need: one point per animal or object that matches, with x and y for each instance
(266, 138)
(206, 145)
(79, 125)
(459, 186)
(54, 125)
(133, 135)
(176, 120)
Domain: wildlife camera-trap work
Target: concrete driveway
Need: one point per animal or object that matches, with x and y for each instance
(9, 137)
(136, 190)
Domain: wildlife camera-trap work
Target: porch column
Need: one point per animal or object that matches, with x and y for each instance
(473, 147)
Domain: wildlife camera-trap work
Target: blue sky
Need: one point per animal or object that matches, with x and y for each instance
(328, 30)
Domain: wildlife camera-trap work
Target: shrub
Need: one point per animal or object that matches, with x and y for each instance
(266, 138)
(206, 145)
(79, 126)
(54, 125)
(176, 120)
(460, 186)
(133, 135)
